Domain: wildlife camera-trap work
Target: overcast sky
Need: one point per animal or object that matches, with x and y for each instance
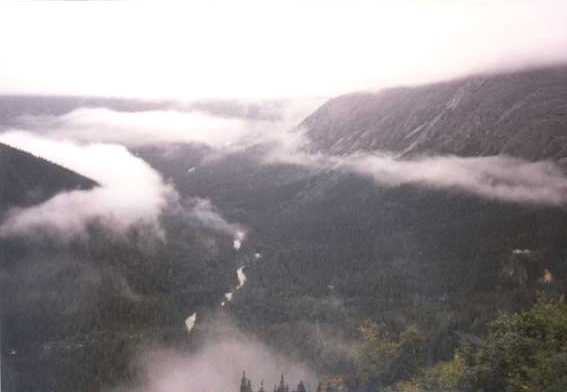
(267, 49)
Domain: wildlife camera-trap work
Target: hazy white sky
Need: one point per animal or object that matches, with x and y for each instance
(266, 49)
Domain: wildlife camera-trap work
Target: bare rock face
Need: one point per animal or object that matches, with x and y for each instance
(522, 114)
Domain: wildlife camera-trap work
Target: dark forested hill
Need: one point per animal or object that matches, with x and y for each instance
(523, 114)
(26, 179)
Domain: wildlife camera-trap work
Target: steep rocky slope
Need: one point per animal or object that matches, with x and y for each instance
(523, 114)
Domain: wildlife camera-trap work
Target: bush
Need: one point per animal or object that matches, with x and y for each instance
(384, 359)
(523, 352)
(445, 376)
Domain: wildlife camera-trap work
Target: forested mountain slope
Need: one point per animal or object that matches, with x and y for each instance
(338, 249)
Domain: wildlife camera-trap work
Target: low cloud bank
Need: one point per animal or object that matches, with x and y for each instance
(131, 192)
(154, 127)
(501, 178)
(143, 127)
(495, 177)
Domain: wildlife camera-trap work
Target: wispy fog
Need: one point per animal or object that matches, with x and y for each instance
(202, 212)
(496, 177)
(493, 177)
(218, 365)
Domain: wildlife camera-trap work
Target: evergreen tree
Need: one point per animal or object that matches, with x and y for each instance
(244, 383)
(282, 386)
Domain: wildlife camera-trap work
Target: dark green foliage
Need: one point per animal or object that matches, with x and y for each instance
(446, 376)
(523, 352)
(383, 359)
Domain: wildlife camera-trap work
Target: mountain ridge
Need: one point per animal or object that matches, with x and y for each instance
(522, 114)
